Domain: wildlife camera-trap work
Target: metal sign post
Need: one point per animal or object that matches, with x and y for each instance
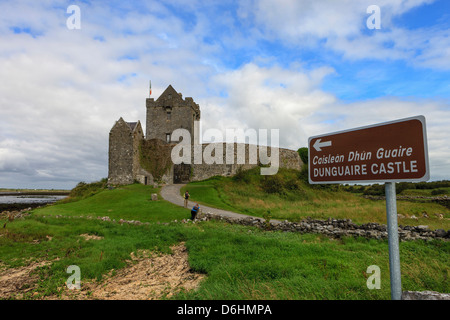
(394, 249)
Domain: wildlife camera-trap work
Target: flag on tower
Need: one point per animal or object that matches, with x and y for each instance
(150, 88)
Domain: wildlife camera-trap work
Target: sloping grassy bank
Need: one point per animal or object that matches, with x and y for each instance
(286, 196)
(132, 202)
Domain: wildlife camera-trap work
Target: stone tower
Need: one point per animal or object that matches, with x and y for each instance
(124, 141)
(168, 113)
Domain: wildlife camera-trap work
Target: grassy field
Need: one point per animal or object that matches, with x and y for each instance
(239, 262)
(426, 192)
(292, 199)
(129, 203)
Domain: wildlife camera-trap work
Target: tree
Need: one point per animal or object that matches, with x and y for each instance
(303, 153)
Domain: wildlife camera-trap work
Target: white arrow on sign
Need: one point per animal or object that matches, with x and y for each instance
(318, 145)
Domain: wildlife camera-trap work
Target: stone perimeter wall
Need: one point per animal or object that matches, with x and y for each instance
(125, 168)
(336, 228)
(289, 159)
(442, 200)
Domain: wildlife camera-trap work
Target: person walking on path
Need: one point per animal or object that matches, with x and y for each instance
(194, 212)
(186, 198)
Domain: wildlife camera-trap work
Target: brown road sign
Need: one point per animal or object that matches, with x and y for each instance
(391, 151)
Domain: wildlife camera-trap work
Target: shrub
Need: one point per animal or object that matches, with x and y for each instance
(273, 184)
(438, 192)
(374, 190)
(242, 175)
(303, 174)
(303, 153)
(267, 217)
(293, 184)
(84, 190)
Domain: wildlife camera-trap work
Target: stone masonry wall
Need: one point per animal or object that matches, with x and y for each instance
(287, 159)
(170, 112)
(120, 168)
(336, 228)
(137, 136)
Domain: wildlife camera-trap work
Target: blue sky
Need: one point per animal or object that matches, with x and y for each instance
(304, 67)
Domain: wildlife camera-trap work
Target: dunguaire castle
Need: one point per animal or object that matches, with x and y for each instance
(147, 159)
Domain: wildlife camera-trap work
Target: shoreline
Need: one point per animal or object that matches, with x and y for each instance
(21, 206)
(34, 193)
(25, 200)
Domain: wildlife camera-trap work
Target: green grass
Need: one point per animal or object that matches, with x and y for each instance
(207, 193)
(240, 262)
(245, 263)
(426, 192)
(132, 202)
(18, 246)
(296, 200)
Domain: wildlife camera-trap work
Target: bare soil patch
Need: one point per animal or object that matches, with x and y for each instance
(148, 276)
(90, 236)
(15, 282)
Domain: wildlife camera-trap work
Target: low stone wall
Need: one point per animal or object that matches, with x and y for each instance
(19, 206)
(442, 200)
(15, 214)
(335, 228)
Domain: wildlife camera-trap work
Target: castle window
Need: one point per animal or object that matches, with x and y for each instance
(168, 137)
(169, 114)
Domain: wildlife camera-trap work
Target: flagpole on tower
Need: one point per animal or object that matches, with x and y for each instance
(150, 92)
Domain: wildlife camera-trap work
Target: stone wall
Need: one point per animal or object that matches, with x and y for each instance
(241, 156)
(125, 166)
(335, 228)
(424, 295)
(442, 200)
(287, 159)
(138, 137)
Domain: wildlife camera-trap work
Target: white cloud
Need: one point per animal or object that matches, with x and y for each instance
(341, 27)
(267, 98)
(358, 114)
(293, 101)
(61, 90)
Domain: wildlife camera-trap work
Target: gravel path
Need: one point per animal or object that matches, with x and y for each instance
(171, 193)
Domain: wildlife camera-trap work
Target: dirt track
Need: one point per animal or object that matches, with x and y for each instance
(171, 193)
